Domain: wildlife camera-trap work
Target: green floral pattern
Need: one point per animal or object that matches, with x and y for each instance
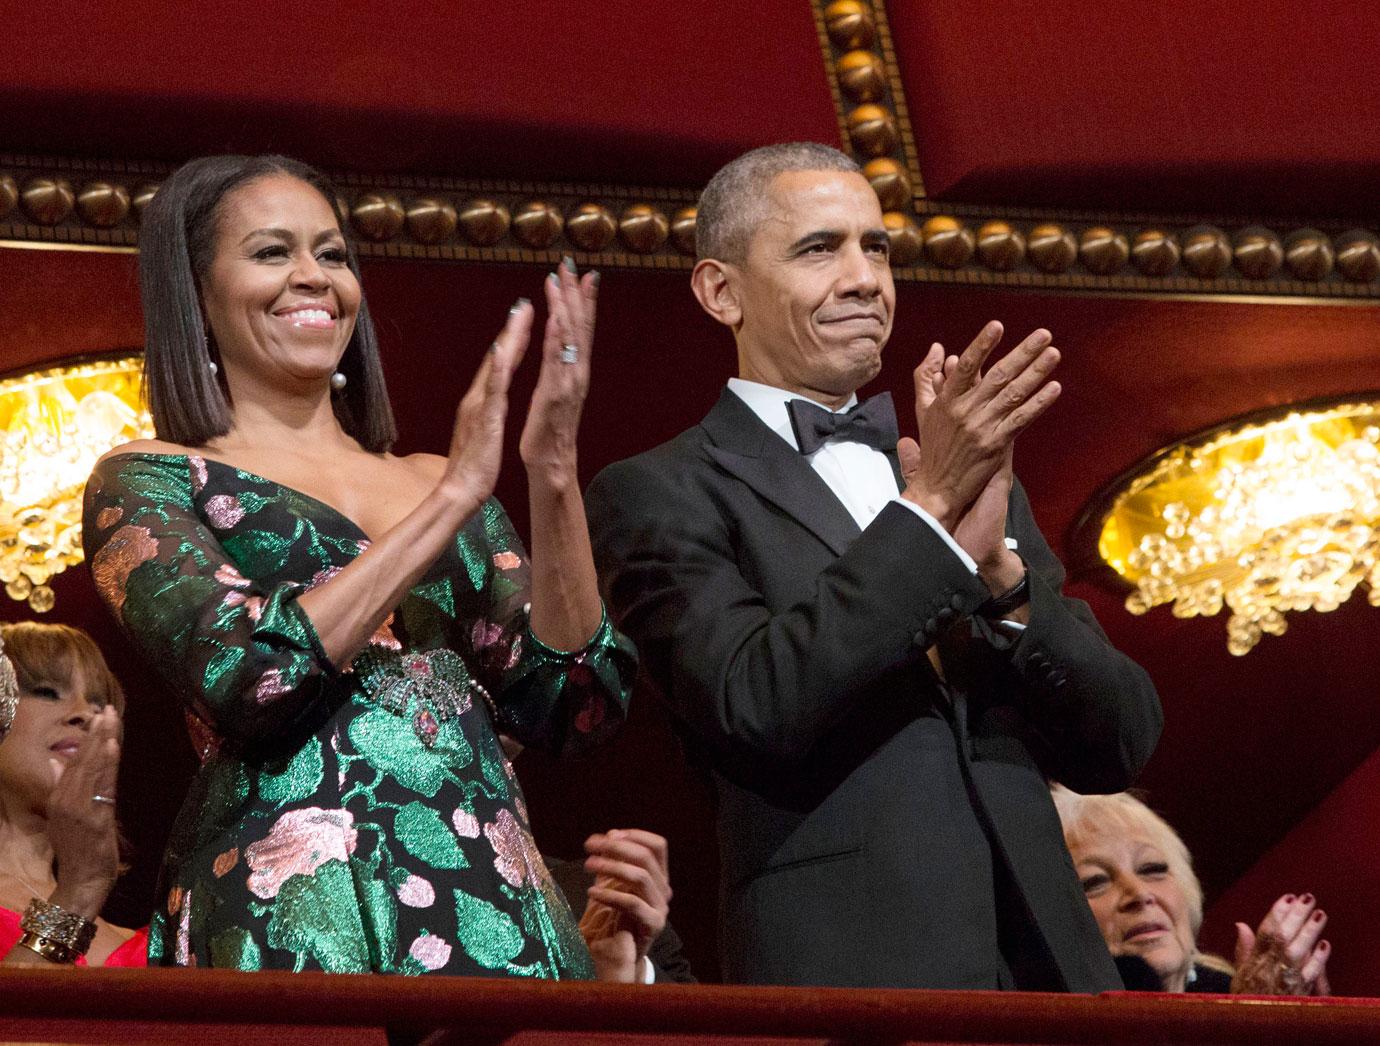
(353, 820)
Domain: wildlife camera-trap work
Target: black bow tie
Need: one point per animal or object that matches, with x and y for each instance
(872, 422)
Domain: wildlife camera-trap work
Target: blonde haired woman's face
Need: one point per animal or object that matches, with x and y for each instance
(1139, 904)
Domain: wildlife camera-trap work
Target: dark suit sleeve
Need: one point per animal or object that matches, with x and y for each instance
(739, 675)
(1096, 708)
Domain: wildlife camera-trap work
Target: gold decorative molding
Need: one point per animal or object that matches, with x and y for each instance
(1139, 253)
(95, 205)
(92, 204)
(874, 123)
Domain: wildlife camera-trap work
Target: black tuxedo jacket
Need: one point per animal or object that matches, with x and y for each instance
(878, 826)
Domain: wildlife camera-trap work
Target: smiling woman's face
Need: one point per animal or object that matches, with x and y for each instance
(1139, 903)
(280, 298)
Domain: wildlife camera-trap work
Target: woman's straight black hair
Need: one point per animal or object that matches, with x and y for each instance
(177, 240)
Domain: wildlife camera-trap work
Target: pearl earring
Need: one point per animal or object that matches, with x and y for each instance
(213, 368)
(338, 381)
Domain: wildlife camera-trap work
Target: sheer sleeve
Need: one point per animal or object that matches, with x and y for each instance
(245, 658)
(551, 699)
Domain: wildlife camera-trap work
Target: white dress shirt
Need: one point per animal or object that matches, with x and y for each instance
(860, 476)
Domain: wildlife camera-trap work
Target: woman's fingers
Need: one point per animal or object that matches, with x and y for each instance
(1300, 946)
(1314, 970)
(1285, 919)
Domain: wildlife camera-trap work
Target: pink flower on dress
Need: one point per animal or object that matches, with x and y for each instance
(197, 465)
(484, 634)
(509, 841)
(253, 605)
(227, 574)
(416, 892)
(466, 825)
(182, 951)
(322, 576)
(224, 511)
(507, 560)
(431, 951)
(301, 842)
(109, 516)
(115, 560)
(271, 685)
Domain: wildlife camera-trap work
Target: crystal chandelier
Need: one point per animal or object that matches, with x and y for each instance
(54, 424)
(1262, 515)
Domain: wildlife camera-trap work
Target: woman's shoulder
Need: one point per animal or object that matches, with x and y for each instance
(147, 446)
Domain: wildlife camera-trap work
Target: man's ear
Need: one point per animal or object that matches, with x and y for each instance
(716, 290)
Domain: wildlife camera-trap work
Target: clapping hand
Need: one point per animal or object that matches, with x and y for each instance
(81, 819)
(960, 470)
(628, 902)
(548, 438)
(1284, 955)
(476, 443)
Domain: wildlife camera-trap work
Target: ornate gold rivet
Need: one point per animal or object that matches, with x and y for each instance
(1103, 251)
(890, 182)
(872, 130)
(484, 222)
(904, 234)
(1258, 254)
(141, 198)
(1155, 252)
(1358, 255)
(849, 24)
(431, 219)
(103, 204)
(1207, 251)
(683, 230)
(948, 242)
(1308, 254)
(378, 216)
(591, 227)
(537, 224)
(862, 78)
(47, 200)
(1000, 246)
(1051, 248)
(643, 228)
(9, 194)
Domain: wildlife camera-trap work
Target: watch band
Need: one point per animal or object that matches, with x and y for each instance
(1015, 597)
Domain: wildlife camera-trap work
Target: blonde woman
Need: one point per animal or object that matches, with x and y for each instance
(1138, 877)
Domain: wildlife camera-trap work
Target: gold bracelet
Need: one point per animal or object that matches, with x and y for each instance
(46, 921)
(53, 951)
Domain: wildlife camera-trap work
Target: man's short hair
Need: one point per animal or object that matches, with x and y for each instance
(734, 202)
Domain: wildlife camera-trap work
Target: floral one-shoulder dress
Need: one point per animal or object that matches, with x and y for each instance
(355, 819)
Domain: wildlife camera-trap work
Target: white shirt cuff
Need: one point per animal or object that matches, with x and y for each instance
(648, 970)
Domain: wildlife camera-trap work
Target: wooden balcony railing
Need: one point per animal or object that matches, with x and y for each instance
(216, 1008)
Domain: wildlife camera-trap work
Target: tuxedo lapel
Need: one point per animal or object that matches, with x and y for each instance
(745, 448)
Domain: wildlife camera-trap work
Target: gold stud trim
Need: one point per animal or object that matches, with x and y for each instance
(96, 205)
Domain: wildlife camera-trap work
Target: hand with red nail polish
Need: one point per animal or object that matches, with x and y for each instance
(1284, 955)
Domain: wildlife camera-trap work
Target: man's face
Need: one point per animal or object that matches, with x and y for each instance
(815, 289)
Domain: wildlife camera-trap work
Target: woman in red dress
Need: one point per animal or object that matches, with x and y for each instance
(59, 846)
